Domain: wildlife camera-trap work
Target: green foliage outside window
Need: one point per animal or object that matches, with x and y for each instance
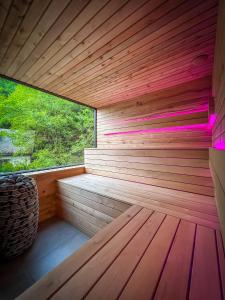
(46, 130)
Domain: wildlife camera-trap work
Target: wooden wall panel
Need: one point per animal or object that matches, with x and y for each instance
(88, 211)
(101, 52)
(47, 188)
(185, 170)
(171, 118)
(219, 81)
(217, 163)
(217, 155)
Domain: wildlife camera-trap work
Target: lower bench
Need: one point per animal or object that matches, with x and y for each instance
(91, 201)
(143, 254)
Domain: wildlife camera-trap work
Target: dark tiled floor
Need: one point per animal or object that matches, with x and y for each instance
(56, 240)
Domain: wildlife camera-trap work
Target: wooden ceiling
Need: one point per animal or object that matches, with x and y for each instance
(100, 52)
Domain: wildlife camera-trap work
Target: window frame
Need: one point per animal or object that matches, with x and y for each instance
(64, 98)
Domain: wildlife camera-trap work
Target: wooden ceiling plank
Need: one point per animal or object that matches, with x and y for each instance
(185, 10)
(70, 22)
(4, 10)
(103, 52)
(154, 57)
(142, 80)
(69, 14)
(182, 60)
(30, 20)
(13, 20)
(54, 10)
(128, 20)
(65, 54)
(128, 58)
(153, 88)
(89, 85)
(160, 15)
(166, 82)
(146, 49)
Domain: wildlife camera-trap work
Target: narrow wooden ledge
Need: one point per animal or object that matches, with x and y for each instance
(67, 170)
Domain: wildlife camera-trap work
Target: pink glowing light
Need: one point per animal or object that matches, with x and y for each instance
(212, 120)
(203, 126)
(203, 108)
(220, 145)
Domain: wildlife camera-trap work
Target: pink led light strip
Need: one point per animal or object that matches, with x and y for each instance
(220, 145)
(204, 126)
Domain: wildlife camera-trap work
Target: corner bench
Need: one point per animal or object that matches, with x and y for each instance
(143, 254)
(155, 233)
(192, 207)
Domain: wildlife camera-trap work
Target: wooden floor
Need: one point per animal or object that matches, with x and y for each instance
(200, 209)
(56, 241)
(143, 254)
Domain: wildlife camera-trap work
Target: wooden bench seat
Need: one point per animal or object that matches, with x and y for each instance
(143, 254)
(89, 188)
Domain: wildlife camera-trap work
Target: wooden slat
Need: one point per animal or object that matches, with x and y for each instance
(45, 287)
(122, 268)
(197, 208)
(217, 162)
(141, 255)
(173, 113)
(103, 52)
(59, 33)
(47, 188)
(217, 158)
(205, 282)
(113, 212)
(221, 260)
(141, 177)
(178, 265)
(147, 166)
(51, 14)
(144, 280)
(89, 180)
(83, 280)
(174, 169)
(126, 59)
(15, 14)
(159, 153)
(141, 193)
(107, 202)
(82, 221)
(86, 214)
(26, 27)
(4, 9)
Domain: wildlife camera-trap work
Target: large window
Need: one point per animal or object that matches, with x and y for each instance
(39, 130)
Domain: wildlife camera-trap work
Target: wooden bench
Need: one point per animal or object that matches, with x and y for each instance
(175, 182)
(178, 169)
(89, 188)
(143, 254)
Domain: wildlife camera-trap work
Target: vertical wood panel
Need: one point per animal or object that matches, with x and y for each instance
(217, 158)
(219, 80)
(47, 188)
(217, 163)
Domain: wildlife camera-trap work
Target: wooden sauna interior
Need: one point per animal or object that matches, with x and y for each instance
(151, 195)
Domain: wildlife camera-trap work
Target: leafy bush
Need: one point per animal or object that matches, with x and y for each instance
(54, 131)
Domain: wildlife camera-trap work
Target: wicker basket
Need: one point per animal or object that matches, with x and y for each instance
(19, 212)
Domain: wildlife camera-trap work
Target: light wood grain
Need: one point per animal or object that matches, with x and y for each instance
(140, 255)
(47, 188)
(104, 52)
(197, 208)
